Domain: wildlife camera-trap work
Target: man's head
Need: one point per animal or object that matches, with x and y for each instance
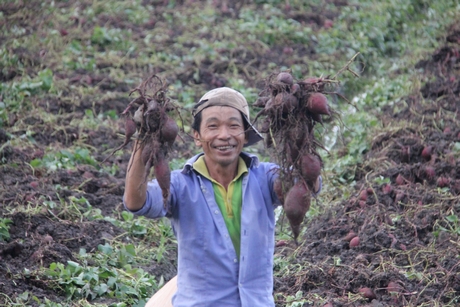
(225, 96)
(221, 126)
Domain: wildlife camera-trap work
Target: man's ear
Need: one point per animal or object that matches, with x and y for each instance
(197, 138)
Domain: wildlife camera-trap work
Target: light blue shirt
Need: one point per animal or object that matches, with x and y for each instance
(209, 272)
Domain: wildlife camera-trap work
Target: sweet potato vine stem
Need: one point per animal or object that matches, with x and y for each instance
(347, 67)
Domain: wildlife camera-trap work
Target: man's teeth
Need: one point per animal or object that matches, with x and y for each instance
(224, 147)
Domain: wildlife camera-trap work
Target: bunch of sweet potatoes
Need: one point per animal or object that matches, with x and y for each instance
(290, 111)
(154, 129)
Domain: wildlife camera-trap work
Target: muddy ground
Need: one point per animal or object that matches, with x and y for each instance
(404, 234)
(398, 222)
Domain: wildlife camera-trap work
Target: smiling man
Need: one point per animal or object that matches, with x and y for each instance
(221, 208)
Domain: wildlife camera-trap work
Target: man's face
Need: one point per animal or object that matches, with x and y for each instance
(221, 136)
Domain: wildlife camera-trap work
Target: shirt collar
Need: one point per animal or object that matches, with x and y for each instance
(251, 161)
(200, 166)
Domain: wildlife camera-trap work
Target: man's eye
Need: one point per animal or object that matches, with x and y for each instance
(212, 126)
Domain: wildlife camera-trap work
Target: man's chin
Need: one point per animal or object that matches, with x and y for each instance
(226, 161)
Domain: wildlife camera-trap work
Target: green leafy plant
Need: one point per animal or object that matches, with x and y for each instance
(82, 281)
(65, 159)
(4, 229)
(296, 300)
(451, 223)
(14, 93)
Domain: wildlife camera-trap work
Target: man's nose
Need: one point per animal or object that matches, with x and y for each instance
(224, 133)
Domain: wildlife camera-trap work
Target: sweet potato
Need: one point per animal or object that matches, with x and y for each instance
(285, 77)
(296, 205)
(367, 293)
(163, 175)
(354, 242)
(261, 101)
(169, 131)
(317, 103)
(138, 117)
(426, 153)
(400, 180)
(153, 116)
(285, 102)
(290, 102)
(130, 129)
(387, 188)
(442, 182)
(310, 168)
(265, 126)
(313, 84)
(394, 287)
(363, 195)
(278, 188)
(430, 172)
(295, 87)
(350, 236)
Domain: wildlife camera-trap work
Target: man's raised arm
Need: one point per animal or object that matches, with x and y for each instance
(136, 185)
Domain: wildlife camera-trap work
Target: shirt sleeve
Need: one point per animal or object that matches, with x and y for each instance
(272, 172)
(320, 186)
(153, 206)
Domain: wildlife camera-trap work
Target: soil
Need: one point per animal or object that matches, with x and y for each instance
(398, 223)
(400, 226)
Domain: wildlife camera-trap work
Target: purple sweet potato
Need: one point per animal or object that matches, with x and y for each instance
(310, 167)
(296, 205)
(163, 175)
(169, 131)
(278, 187)
(317, 104)
(285, 77)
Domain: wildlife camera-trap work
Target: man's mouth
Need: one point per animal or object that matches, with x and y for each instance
(224, 147)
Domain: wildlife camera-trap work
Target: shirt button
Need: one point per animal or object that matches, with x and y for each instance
(235, 260)
(216, 212)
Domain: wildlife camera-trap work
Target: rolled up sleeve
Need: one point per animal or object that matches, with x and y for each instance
(320, 179)
(153, 206)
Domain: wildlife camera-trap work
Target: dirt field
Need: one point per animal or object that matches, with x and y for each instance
(408, 228)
